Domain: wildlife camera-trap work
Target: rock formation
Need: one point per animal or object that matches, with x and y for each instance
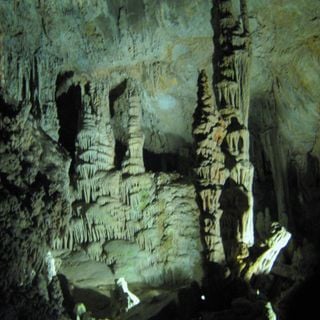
(209, 131)
(224, 171)
(98, 179)
(231, 87)
(133, 162)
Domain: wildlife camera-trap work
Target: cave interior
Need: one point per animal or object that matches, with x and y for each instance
(159, 159)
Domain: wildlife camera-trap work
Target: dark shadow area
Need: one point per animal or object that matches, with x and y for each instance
(7, 109)
(304, 198)
(189, 301)
(165, 162)
(69, 105)
(168, 312)
(96, 303)
(303, 301)
(233, 202)
(68, 300)
(115, 93)
(221, 290)
(120, 151)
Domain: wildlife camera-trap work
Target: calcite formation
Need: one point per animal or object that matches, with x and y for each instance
(95, 93)
(133, 162)
(222, 136)
(128, 204)
(95, 144)
(209, 131)
(278, 239)
(231, 85)
(224, 171)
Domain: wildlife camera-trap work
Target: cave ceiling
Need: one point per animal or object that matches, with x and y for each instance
(164, 45)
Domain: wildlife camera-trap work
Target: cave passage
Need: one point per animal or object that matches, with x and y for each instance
(115, 94)
(165, 162)
(69, 105)
(120, 151)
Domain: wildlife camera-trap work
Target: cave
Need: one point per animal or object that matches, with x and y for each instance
(114, 94)
(120, 151)
(68, 107)
(163, 162)
(159, 159)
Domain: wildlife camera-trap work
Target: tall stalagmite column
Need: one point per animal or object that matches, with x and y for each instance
(95, 143)
(209, 130)
(231, 87)
(224, 171)
(133, 162)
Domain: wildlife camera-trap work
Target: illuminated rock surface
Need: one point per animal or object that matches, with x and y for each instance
(119, 157)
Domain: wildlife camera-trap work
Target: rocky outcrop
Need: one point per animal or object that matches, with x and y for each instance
(35, 209)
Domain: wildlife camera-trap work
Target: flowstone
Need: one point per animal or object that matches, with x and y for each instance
(155, 211)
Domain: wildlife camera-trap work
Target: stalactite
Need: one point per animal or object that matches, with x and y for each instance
(94, 250)
(45, 73)
(277, 155)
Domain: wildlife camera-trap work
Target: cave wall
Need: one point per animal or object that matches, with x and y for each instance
(55, 55)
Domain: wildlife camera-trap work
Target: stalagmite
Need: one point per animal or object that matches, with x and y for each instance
(95, 144)
(132, 299)
(278, 239)
(209, 132)
(231, 68)
(133, 162)
(51, 268)
(43, 67)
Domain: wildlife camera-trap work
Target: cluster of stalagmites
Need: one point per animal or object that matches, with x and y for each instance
(224, 186)
(95, 143)
(224, 171)
(222, 151)
(145, 209)
(128, 204)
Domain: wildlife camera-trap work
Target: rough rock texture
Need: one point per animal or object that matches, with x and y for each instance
(95, 94)
(35, 210)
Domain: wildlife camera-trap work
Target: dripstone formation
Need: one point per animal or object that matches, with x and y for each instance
(153, 147)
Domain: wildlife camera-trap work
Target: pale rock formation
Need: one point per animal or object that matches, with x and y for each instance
(95, 144)
(270, 312)
(132, 299)
(133, 162)
(231, 87)
(209, 131)
(221, 132)
(156, 229)
(278, 239)
(81, 313)
(51, 267)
